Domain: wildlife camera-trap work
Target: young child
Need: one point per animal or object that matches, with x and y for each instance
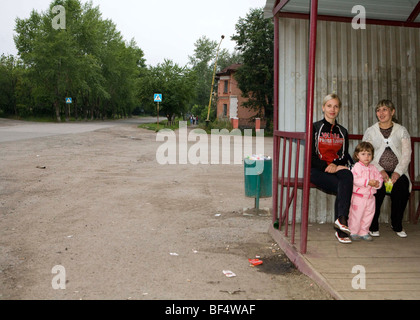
(366, 180)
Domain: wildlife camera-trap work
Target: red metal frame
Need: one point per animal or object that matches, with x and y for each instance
(276, 118)
(309, 124)
(287, 182)
(279, 5)
(413, 16)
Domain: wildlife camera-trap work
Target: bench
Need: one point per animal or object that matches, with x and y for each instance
(288, 182)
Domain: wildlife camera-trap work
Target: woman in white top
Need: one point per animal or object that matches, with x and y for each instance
(392, 157)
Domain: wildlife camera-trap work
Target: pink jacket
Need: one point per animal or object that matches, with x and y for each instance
(361, 176)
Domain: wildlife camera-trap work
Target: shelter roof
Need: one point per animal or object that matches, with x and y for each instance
(404, 11)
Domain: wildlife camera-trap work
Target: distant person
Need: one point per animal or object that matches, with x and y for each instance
(366, 180)
(329, 164)
(392, 145)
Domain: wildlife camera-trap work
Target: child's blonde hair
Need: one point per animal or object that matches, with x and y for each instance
(363, 146)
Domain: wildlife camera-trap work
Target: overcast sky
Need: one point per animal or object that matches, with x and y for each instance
(161, 28)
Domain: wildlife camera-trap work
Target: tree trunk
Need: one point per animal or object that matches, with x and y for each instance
(57, 110)
(76, 112)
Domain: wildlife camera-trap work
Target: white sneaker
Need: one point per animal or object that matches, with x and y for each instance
(402, 234)
(374, 233)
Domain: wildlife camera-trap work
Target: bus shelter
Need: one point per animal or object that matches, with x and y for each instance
(364, 51)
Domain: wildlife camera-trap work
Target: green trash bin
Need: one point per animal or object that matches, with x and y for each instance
(258, 179)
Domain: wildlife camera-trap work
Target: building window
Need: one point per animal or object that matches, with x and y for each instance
(226, 86)
(225, 110)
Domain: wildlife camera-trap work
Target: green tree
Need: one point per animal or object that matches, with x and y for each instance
(204, 54)
(175, 83)
(88, 60)
(255, 42)
(10, 75)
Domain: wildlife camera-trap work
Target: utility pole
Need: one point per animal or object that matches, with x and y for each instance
(212, 83)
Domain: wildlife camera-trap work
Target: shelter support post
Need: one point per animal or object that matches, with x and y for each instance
(309, 124)
(276, 140)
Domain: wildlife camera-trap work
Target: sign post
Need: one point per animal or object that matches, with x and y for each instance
(69, 101)
(158, 99)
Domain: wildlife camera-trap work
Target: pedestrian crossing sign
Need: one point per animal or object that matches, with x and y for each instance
(158, 98)
(69, 100)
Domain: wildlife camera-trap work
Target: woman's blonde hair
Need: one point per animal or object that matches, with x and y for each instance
(330, 97)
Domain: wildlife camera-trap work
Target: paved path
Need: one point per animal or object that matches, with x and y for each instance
(11, 130)
(391, 264)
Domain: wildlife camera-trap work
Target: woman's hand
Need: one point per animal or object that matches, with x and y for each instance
(332, 168)
(339, 168)
(395, 176)
(384, 175)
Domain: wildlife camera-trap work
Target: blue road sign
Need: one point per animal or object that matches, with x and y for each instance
(69, 100)
(158, 98)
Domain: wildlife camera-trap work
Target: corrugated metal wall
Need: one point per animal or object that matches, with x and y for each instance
(362, 67)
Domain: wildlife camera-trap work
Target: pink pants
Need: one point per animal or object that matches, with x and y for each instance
(362, 211)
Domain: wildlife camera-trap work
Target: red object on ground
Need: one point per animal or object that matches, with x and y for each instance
(255, 262)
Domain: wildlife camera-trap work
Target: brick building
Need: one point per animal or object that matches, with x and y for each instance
(230, 100)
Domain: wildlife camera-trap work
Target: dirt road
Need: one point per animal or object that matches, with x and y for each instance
(121, 226)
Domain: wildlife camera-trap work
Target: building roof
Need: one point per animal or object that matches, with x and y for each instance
(387, 10)
(229, 70)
